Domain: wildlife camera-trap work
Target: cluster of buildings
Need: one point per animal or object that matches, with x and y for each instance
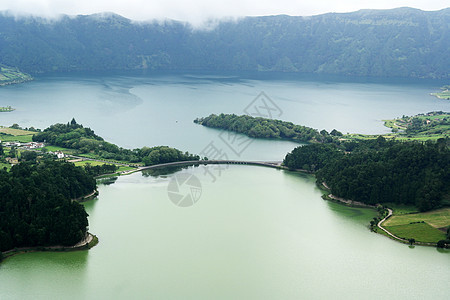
(27, 146)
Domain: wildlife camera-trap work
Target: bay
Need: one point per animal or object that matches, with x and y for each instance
(146, 109)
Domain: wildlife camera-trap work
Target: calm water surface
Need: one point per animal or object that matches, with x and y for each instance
(255, 233)
(136, 110)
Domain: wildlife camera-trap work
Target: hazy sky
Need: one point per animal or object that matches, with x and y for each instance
(197, 11)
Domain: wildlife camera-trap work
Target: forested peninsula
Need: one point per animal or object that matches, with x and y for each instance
(380, 171)
(257, 127)
(84, 141)
(36, 206)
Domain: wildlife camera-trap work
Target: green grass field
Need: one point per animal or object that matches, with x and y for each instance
(89, 162)
(421, 232)
(437, 218)
(400, 225)
(7, 166)
(15, 132)
(125, 168)
(442, 95)
(15, 135)
(100, 163)
(56, 148)
(401, 209)
(18, 138)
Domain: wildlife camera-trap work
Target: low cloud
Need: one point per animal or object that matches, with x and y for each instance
(200, 11)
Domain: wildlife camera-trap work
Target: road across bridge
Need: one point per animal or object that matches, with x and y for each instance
(272, 164)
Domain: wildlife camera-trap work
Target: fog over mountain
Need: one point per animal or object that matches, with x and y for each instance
(402, 42)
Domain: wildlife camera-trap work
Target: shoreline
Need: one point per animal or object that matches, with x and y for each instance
(88, 242)
(357, 204)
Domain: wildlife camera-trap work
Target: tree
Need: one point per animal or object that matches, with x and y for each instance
(28, 156)
(443, 243)
(334, 132)
(13, 152)
(411, 241)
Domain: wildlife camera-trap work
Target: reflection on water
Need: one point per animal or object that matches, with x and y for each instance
(107, 180)
(163, 172)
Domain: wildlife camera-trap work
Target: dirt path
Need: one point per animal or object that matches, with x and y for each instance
(385, 230)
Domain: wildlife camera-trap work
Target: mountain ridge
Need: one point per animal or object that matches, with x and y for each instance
(401, 42)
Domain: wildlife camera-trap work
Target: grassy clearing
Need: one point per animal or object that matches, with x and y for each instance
(401, 209)
(430, 137)
(15, 132)
(110, 161)
(3, 165)
(12, 75)
(18, 138)
(100, 163)
(15, 135)
(56, 148)
(93, 163)
(125, 168)
(421, 232)
(358, 136)
(437, 218)
(422, 227)
(445, 94)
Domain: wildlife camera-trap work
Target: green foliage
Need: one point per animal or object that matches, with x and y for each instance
(264, 128)
(86, 142)
(100, 169)
(433, 124)
(421, 232)
(312, 157)
(10, 75)
(36, 207)
(445, 94)
(401, 42)
(164, 154)
(380, 171)
(28, 156)
(443, 243)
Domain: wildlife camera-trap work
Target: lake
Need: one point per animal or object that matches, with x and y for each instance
(135, 110)
(253, 232)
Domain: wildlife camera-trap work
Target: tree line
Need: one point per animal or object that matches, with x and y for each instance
(380, 171)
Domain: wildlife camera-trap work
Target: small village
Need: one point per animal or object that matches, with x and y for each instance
(29, 146)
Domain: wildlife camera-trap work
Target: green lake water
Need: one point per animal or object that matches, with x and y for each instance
(255, 233)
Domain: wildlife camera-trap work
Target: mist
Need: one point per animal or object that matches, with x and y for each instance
(201, 12)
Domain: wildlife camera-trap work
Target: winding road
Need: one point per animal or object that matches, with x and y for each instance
(385, 230)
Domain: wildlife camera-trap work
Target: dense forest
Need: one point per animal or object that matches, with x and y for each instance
(75, 136)
(380, 171)
(36, 207)
(402, 42)
(267, 128)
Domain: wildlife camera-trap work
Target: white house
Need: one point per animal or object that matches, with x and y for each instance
(59, 154)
